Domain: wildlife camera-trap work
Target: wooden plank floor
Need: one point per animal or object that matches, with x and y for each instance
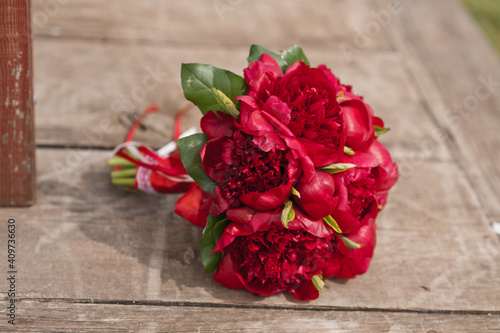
(95, 259)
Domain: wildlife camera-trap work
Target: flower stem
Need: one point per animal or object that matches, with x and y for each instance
(125, 173)
(120, 162)
(123, 181)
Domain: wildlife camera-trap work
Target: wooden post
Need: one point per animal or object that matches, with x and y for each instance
(17, 146)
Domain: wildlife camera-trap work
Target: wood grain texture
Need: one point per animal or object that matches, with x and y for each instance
(458, 75)
(434, 249)
(17, 148)
(274, 24)
(61, 316)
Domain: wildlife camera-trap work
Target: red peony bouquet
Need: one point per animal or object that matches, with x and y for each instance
(288, 174)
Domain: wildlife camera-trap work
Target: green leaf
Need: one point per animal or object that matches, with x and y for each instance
(287, 214)
(332, 223)
(256, 51)
(350, 244)
(294, 54)
(213, 231)
(381, 130)
(349, 151)
(197, 79)
(226, 103)
(337, 167)
(287, 58)
(318, 282)
(295, 192)
(189, 150)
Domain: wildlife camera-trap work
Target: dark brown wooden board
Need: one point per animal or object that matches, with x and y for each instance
(17, 146)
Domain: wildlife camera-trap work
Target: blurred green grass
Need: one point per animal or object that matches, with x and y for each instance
(487, 14)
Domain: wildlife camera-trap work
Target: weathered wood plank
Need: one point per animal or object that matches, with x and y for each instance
(435, 250)
(93, 110)
(458, 75)
(275, 24)
(70, 317)
(17, 146)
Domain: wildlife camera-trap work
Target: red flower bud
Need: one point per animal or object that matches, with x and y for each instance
(317, 195)
(359, 124)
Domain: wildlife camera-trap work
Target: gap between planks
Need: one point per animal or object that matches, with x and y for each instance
(255, 307)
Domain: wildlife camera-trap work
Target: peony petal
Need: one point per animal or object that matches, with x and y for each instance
(248, 103)
(212, 152)
(254, 123)
(246, 221)
(277, 125)
(271, 64)
(334, 265)
(269, 141)
(333, 79)
(225, 239)
(314, 226)
(358, 124)
(278, 109)
(321, 155)
(320, 208)
(361, 160)
(300, 153)
(191, 206)
(306, 291)
(378, 122)
(241, 215)
(293, 69)
(262, 290)
(226, 275)
(268, 200)
(381, 154)
(219, 203)
(317, 195)
(262, 72)
(346, 221)
(358, 260)
(216, 126)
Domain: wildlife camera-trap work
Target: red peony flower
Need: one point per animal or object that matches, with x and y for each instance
(275, 260)
(312, 112)
(269, 132)
(244, 173)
